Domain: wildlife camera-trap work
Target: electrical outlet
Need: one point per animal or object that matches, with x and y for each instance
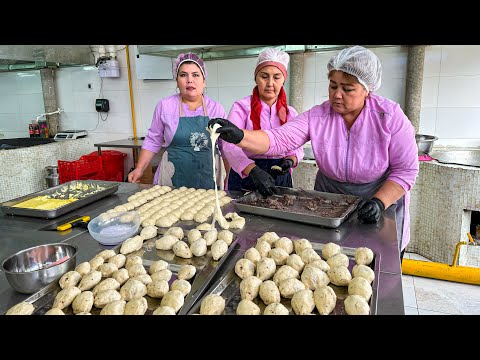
(90, 85)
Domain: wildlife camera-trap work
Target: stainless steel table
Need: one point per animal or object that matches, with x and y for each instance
(19, 232)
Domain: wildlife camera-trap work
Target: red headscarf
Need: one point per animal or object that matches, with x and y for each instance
(282, 108)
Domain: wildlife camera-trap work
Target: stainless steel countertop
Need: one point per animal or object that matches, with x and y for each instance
(19, 232)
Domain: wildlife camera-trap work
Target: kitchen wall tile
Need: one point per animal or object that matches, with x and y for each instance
(85, 102)
(393, 60)
(212, 73)
(460, 60)
(236, 72)
(394, 89)
(29, 82)
(66, 101)
(8, 83)
(119, 101)
(430, 91)
(114, 84)
(32, 103)
(213, 93)
(458, 123)
(309, 67)
(119, 123)
(411, 311)
(308, 96)
(428, 117)
(433, 56)
(156, 85)
(459, 91)
(63, 81)
(81, 78)
(9, 104)
(321, 61)
(229, 94)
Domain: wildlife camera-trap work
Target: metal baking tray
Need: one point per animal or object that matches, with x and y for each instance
(295, 214)
(228, 287)
(8, 208)
(205, 265)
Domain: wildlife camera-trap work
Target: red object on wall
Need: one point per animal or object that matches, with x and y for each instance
(113, 164)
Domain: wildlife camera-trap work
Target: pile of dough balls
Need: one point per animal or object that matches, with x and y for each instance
(195, 243)
(161, 206)
(278, 268)
(115, 284)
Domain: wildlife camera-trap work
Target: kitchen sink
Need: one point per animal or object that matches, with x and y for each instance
(469, 157)
(16, 143)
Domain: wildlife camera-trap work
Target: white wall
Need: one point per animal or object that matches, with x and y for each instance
(450, 101)
(21, 101)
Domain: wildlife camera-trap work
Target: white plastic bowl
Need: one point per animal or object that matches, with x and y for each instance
(114, 228)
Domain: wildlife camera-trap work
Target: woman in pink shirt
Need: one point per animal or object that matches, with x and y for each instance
(179, 124)
(363, 143)
(265, 109)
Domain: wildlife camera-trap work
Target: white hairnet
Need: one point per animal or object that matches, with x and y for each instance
(361, 63)
(275, 57)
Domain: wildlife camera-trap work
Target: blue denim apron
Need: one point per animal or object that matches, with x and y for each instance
(191, 152)
(235, 182)
(365, 191)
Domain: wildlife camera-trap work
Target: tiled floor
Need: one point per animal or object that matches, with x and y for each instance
(426, 296)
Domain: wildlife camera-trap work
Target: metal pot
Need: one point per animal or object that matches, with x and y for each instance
(425, 143)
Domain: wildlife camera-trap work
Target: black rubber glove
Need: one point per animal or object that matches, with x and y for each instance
(371, 210)
(286, 165)
(263, 181)
(229, 132)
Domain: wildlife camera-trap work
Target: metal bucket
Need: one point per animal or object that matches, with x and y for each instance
(52, 179)
(425, 143)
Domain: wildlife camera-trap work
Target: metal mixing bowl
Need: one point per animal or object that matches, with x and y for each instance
(31, 269)
(425, 143)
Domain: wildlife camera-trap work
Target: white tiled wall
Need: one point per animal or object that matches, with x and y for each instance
(450, 101)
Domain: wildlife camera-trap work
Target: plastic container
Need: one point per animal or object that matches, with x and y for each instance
(114, 228)
(78, 169)
(113, 164)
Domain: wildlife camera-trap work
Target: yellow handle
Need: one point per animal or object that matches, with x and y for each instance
(470, 238)
(70, 224)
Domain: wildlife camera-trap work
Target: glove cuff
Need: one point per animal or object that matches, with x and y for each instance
(380, 203)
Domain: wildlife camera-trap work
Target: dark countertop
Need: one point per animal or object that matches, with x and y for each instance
(17, 143)
(123, 143)
(19, 233)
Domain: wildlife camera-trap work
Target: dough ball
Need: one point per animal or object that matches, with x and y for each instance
(266, 268)
(181, 285)
(186, 272)
(164, 274)
(105, 284)
(137, 306)
(338, 259)
(143, 278)
(276, 309)
(225, 235)
(301, 244)
(212, 304)
(356, 305)
(95, 262)
(157, 266)
(211, 236)
(132, 289)
(330, 249)
(325, 299)
(55, 311)
(219, 248)
(313, 278)
(164, 310)
(107, 269)
(182, 250)
(249, 287)
(193, 235)
(83, 302)
(83, 268)
(279, 255)
(360, 286)
(104, 297)
(133, 260)
(247, 307)
(283, 273)
(308, 255)
(290, 286)
(157, 288)
(269, 237)
(70, 278)
(148, 232)
(339, 275)
(176, 231)
(89, 280)
(296, 262)
(118, 260)
(121, 275)
(174, 299)
(199, 247)
(284, 243)
(23, 308)
(269, 292)
(166, 242)
(363, 256)
(263, 248)
(116, 307)
(135, 270)
(204, 226)
(106, 254)
(363, 271)
(302, 302)
(244, 268)
(253, 255)
(320, 264)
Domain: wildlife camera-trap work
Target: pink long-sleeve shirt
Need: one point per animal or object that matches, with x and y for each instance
(239, 114)
(165, 120)
(382, 138)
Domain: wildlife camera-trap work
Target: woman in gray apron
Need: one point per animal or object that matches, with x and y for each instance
(363, 143)
(179, 128)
